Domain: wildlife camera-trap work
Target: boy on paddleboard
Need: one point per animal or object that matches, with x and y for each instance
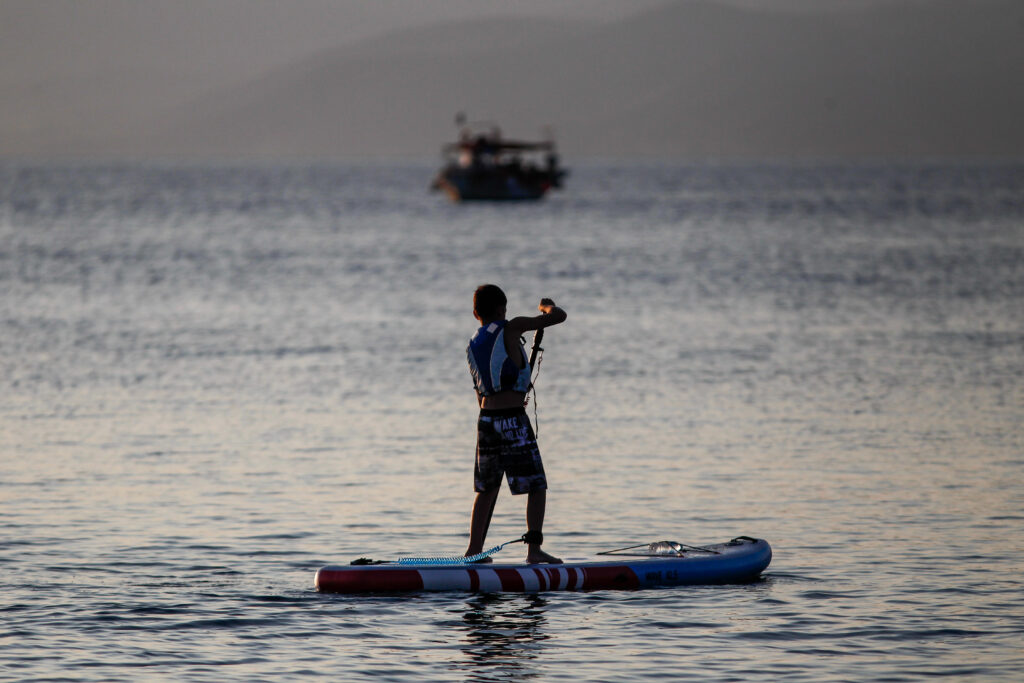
(506, 444)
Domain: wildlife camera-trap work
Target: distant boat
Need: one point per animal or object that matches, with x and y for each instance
(482, 166)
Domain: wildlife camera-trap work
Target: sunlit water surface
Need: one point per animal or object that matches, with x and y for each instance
(215, 380)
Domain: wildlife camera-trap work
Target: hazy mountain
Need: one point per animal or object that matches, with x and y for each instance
(103, 77)
(897, 78)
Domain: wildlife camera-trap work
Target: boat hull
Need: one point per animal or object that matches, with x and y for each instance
(462, 185)
(739, 561)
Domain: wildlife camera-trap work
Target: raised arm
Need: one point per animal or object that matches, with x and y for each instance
(550, 315)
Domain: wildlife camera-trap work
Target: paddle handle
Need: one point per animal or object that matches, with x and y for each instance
(537, 339)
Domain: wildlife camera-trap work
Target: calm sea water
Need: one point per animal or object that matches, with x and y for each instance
(215, 380)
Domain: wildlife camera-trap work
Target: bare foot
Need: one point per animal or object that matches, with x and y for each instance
(482, 560)
(541, 557)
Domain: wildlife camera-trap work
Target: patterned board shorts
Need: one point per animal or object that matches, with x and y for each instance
(506, 445)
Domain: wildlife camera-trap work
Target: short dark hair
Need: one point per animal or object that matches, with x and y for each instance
(487, 299)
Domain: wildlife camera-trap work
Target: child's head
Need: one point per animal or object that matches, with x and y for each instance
(488, 302)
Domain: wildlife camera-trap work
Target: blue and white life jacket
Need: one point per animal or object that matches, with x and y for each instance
(492, 368)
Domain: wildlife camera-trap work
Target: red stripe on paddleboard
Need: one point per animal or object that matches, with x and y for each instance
(474, 580)
(542, 584)
(511, 580)
(368, 580)
(554, 578)
(620, 577)
(571, 583)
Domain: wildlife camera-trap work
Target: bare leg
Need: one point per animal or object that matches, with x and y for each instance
(535, 504)
(483, 508)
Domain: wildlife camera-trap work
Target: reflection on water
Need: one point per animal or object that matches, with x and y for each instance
(504, 636)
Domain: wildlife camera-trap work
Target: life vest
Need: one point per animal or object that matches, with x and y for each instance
(492, 368)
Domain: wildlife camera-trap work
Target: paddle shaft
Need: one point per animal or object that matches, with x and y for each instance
(537, 338)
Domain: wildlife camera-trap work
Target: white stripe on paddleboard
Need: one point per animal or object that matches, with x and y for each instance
(530, 581)
(489, 581)
(445, 579)
(560, 579)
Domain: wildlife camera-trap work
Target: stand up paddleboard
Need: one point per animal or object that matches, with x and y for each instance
(664, 563)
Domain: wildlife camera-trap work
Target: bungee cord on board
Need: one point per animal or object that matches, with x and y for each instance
(658, 548)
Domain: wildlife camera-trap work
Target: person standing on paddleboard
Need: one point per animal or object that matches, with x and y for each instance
(506, 444)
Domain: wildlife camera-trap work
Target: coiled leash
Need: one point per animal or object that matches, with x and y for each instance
(530, 537)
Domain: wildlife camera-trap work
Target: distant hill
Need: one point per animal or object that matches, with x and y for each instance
(686, 80)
